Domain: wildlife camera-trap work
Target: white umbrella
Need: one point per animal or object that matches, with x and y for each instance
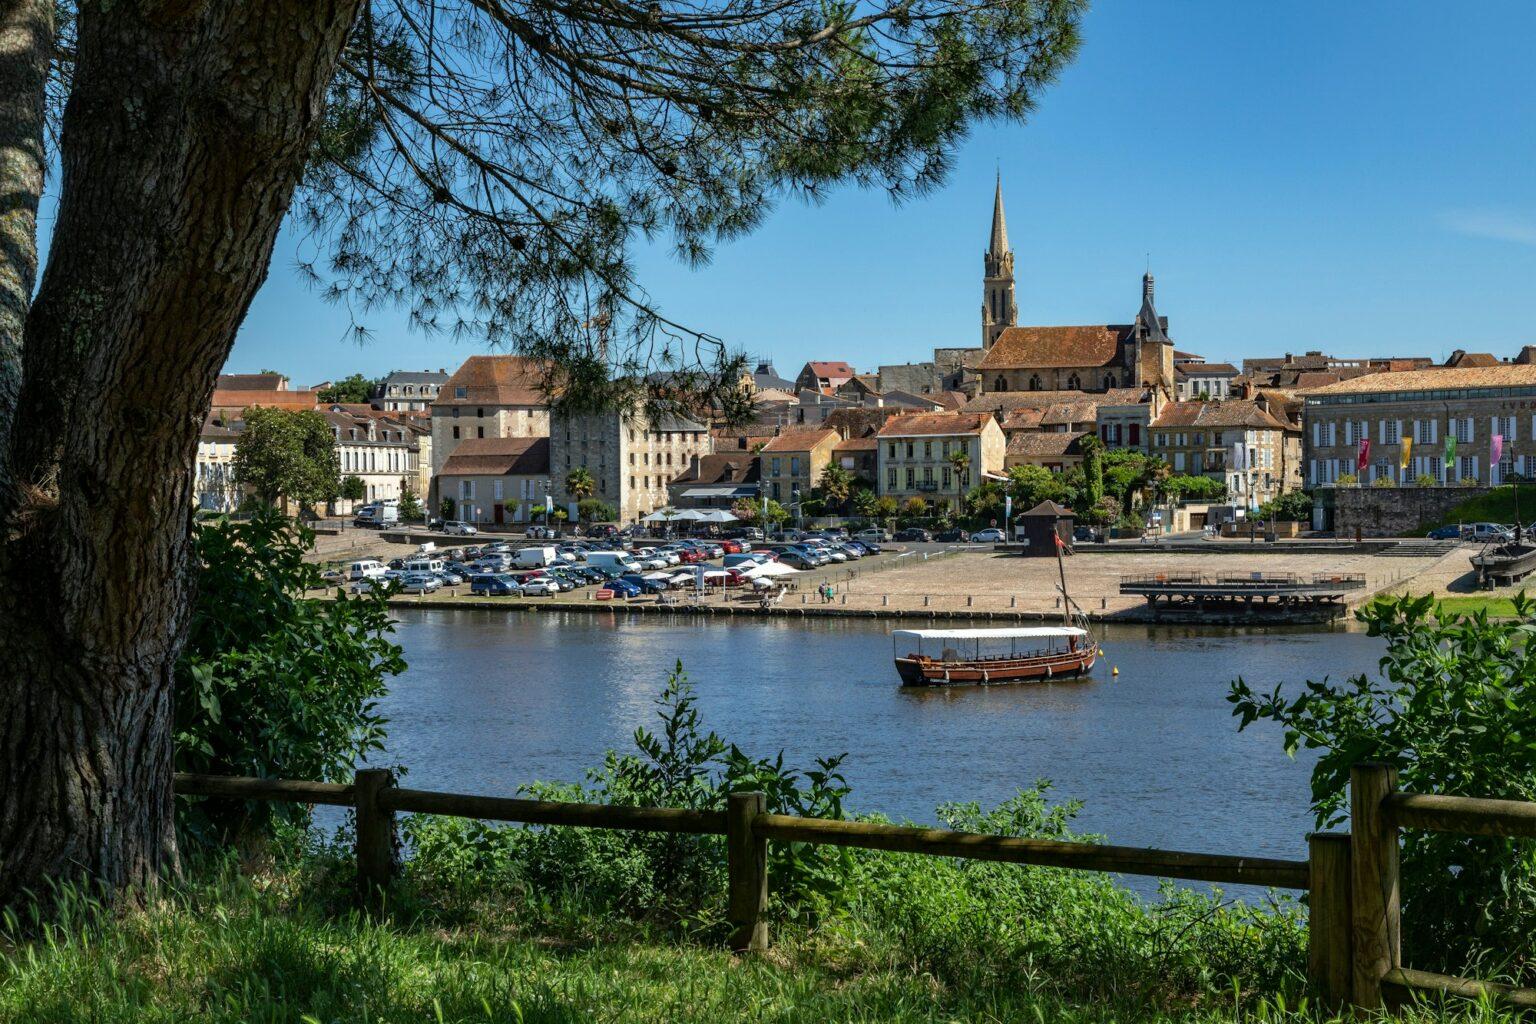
(716, 515)
(658, 576)
(714, 574)
(662, 515)
(770, 569)
(682, 577)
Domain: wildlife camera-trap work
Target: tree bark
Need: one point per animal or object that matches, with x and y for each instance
(185, 134)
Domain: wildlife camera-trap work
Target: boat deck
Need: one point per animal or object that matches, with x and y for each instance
(1243, 588)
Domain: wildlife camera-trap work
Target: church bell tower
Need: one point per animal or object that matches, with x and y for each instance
(998, 308)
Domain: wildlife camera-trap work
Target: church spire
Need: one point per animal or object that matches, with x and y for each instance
(999, 244)
(998, 310)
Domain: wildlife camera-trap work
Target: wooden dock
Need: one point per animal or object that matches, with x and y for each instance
(1278, 595)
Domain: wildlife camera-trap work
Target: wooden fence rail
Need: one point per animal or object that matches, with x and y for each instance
(1352, 879)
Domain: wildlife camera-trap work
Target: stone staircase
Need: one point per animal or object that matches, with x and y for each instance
(1419, 549)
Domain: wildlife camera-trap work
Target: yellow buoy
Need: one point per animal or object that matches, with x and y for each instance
(1114, 671)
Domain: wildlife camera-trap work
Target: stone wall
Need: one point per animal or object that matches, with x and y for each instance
(1394, 511)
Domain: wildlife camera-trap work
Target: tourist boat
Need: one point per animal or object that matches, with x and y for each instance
(1505, 563)
(945, 657)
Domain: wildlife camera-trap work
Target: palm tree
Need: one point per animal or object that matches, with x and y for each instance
(961, 460)
(836, 485)
(579, 484)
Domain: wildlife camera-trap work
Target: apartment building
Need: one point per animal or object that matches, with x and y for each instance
(1255, 455)
(488, 396)
(496, 480)
(914, 455)
(382, 451)
(792, 463)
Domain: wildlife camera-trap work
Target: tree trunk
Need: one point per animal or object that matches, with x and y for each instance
(185, 134)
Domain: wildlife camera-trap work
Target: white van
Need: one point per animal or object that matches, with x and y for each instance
(616, 561)
(536, 558)
(366, 569)
(424, 565)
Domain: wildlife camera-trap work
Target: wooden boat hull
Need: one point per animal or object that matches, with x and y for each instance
(919, 670)
(1507, 563)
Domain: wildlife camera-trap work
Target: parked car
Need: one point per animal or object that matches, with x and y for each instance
(419, 583)
(449, 577)
(1489, 532)
(797, 559)
(951, 536)
(494, 586)
(623, 588)
(872, 534)
(914, 535)
(455, 528)
(1085, 535)
(541, 586)
(731, 546)
(991, 535)
(1452, 532)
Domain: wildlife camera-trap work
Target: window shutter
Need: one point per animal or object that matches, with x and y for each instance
(1317, 434)
(1434, 431)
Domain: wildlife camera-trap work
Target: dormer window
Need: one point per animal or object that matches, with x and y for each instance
(461, 392)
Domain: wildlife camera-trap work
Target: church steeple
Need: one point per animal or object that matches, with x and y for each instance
(1153, 348)
(998, 309)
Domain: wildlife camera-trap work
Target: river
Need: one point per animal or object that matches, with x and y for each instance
(493, 700)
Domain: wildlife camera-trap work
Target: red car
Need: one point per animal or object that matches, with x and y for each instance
(731, 547)
(732, 578)
(690, 554)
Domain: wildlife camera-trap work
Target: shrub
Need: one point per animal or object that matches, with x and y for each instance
(1348, 480)
(1468, 481)
(1292, 506)
(1454, 708)
(1425, 480)
(271, 682)
(1383, 481)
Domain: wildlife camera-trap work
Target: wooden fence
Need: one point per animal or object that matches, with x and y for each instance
(1355, 951)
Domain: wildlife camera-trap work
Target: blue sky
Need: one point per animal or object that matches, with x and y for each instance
(1353, 177)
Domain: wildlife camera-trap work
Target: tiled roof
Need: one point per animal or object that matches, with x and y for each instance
(799, 440)
(1467, 359)
(416, 377)
(834, 369)
(1046, 444)
(1023, 419)
(1026, 348)
(994, 401)
(251, 382)
(951, 399)
(499, 456)
(856, 444)
(1504, 375)
(245, 398)
(907, 398)
(1082, 411)
(1207, 369)
(1217, 414)
(495, 380)
(720, 468)
(934, 423)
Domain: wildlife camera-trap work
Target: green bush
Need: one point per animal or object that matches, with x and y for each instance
(1454, 708)
(1425, 480)
(1383, 481)
(1292, 506)
(272, 682)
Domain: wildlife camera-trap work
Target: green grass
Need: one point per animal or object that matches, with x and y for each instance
(1496, 607)
(1496, 506)
(242, 951)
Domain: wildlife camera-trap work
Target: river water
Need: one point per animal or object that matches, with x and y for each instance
(493, 700)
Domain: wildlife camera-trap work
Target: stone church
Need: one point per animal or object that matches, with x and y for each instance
(1095, 358)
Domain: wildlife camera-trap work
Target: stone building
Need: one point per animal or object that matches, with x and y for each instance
(214, 487)
(1096, 357)
(409, 390)
(1057, 452)
(1202, 379)
(1256, 455)
(631, 459)
(857, 455)
(794, 462)
(382, 451)
(497, 480)
(715, 481)
(999, 303)
(488, 396)
(824, 376)
(913, 457)
(1411, 417)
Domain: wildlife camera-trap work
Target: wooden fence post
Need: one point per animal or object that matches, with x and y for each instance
(1374, 892)
(746, 856)
(1330, 968)
(375, 835)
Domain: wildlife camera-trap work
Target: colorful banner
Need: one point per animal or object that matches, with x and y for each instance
(1407, 452)
(1364, 458)
(1496, 454)
(1450, 451)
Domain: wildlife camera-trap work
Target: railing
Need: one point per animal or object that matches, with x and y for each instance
(1354, 922)
(1255, 580)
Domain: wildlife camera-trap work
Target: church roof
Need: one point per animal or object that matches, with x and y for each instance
(1030, 348)
(1003, 401)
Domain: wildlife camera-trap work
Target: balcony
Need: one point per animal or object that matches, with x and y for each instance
(925, 485)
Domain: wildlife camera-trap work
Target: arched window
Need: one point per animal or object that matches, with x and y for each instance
(1074, 383)
(1001, 384)
(1109, 381)
(1034, 382)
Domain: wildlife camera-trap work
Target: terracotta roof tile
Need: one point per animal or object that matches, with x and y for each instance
(1503, 375)
(246, 398)
(833, 369)
(799, 440)
(499, 456)
(1217, 414)
(1024, 348)
(934, 423)
(251, 382)
(720, 468)
(857, 444)
(495, 380)
(1046, 444)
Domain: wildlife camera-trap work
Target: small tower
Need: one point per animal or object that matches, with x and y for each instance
(998, 308)
(1154, 349)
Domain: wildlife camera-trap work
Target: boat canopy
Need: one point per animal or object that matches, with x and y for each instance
(1022, 633)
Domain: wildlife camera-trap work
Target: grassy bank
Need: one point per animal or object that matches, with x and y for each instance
(1495, 506)
(234, 950)
(1495, 607)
